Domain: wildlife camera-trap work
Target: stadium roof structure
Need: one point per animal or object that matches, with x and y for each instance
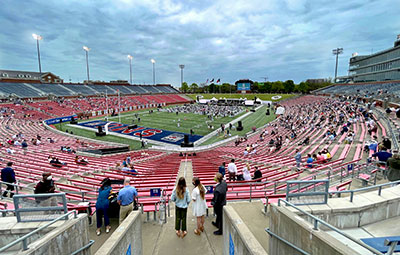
(17, 75)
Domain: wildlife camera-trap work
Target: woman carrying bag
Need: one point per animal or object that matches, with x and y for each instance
(181, 197)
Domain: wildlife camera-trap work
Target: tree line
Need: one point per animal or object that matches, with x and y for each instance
(257, 87)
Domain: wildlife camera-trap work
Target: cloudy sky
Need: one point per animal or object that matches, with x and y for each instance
(278, 39)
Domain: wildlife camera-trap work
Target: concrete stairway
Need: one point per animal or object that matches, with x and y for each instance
(163, 240)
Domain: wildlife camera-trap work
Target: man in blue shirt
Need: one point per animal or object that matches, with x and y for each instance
(310, 160)
(126, 197)
(382, 155)
(221, 169)
(8, 175)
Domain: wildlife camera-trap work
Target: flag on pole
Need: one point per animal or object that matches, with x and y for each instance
(207, 81)
(212, 80)
(218, 80)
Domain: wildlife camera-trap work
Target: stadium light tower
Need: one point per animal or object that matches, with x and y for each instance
(181, 67)
(154, 71)
(87, 49)
(130, 68)
(337, 52)
(38, 38)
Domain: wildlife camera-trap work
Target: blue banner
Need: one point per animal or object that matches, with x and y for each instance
(160, 135)
(57, 120)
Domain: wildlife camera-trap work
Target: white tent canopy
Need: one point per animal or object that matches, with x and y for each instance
(280, 110)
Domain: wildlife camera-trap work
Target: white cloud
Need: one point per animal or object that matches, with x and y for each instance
(290, 39)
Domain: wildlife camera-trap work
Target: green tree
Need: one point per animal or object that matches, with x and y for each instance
(303, 87)
(255, 87)
(277, 87)
(194, 87)
(266, 87)
(184, 87)
(288, 86)
(212, 88)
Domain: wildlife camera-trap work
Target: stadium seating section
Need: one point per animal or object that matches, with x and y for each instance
(25, 90)
(160, 169)
(376, 89)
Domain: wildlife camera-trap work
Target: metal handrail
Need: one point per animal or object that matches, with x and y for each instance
(286, 242)
(317, 220)
(379, 186)
(24, 238)
(91, 242)
(17, 185)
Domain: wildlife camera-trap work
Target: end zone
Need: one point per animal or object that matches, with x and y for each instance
(158, 135)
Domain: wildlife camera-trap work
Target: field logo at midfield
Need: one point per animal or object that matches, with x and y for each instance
(175, 137)
(148, 133)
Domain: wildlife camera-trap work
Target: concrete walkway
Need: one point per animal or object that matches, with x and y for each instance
(161, 239)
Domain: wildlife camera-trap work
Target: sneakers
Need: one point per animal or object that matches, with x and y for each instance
(98, 232)
(217, 233)
(108, 229)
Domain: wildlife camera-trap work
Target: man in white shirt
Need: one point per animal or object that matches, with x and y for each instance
(232, 170)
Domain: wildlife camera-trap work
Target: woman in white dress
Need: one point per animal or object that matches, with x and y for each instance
(199, 204)
(246, 172)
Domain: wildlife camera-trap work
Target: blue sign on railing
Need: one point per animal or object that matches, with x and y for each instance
(350, 167)
(155, 192)
(57, 120)
(210, 189)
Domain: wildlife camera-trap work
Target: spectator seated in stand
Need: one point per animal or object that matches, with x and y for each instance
(386, 143)
(67, 149)
(81, 161)
(371, 145)
(306, 141)
(321, 158)
(326, 154)
(309, 161)
(56, 162)
(10, 151)
(132, 171)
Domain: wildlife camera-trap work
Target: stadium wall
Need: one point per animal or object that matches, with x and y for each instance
(365, 209)
(126, 239)
(299, 232)
(70, 236)
(237, 237)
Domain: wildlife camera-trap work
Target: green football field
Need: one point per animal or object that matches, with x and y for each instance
(169, 121)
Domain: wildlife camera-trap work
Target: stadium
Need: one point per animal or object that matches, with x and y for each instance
(242, 166)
